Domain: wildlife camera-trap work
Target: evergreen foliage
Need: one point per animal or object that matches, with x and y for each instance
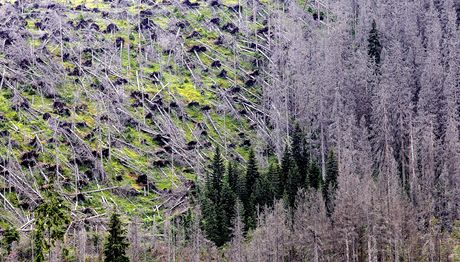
(218, 202)
(330, 182)
(233, 176)
(51, 221)
(286, 165)
(254, 189)
(276, 184)
(290, 176)
(249, 202)
(241, 191)
(228, 206)
(300, 154)
(252, 173)
(264, 192)
(292, 184)
(116, 244)
(187, 224)
(374, 45)
(10, 235)
(314, 175)
(210, 221)
(113, 106)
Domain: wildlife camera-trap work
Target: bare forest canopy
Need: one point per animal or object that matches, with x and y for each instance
(229, 130)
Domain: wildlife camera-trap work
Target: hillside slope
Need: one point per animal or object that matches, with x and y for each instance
(229, 130)
(118, 102)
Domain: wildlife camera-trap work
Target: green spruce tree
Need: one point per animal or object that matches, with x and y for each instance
(10, 235)
(228, 206)
(240, 189)
(233, 175)
(263, 191)
(374, 45)
(274, 177)
(187, 224)
(286, 166)
(116, 243)
(292, 185)
(217, 173)
(330, 182)
(209, 222)
(300, 155)
(290, 177)
(252, 175)
(314, 175)
(217, 203)
(51, 220)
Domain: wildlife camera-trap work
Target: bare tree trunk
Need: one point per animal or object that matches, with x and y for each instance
(347, 248)
(133, 237)
(81, 244)
(413, 181)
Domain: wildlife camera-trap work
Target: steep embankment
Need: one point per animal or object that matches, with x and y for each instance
(118, 103)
